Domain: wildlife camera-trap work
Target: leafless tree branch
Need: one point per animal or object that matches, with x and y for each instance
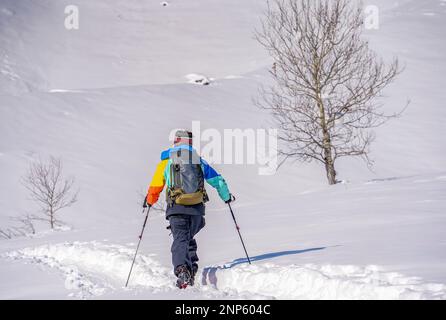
(50, 189)
(326, 80)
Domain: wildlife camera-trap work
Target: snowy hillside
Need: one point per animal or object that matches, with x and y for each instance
(105, 97)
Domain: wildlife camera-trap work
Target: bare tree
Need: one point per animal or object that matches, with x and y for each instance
(25, 228)
(160, 206)
(7, 233)
(26, 223)
(326, 80)
(49, 188)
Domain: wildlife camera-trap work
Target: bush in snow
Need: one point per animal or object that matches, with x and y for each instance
(50, 189)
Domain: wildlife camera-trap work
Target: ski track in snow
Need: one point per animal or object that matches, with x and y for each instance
(93, 269)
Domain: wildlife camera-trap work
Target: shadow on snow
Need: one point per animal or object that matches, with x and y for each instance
(209, 275)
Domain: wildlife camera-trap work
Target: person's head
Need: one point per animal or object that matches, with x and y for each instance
(183, 137)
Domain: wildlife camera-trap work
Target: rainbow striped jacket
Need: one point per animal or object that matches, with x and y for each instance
(162, 177)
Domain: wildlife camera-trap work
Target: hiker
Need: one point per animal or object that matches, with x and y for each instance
(184, 172)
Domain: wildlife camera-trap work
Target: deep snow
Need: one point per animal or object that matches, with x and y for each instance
(94, 269)
(105, 98)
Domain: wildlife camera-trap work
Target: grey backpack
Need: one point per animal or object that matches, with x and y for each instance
(186, 179)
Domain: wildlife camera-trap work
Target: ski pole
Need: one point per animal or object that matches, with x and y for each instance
(239, 234)
(139, 242)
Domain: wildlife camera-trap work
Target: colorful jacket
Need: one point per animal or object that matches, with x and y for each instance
(162, 177)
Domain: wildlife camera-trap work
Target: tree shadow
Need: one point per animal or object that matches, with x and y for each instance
(209, 275)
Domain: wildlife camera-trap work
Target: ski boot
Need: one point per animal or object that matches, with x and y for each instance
(184, 277)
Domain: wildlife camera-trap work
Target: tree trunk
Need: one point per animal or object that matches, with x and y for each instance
(330, 170)
(51, 217)
(328, 156)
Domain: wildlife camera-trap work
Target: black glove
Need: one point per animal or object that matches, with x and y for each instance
(145, 204)
(231, 199)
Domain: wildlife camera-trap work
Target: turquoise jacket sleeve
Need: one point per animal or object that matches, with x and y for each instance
(215, 180)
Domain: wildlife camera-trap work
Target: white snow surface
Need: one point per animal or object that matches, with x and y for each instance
(92, 269)
(105, 97)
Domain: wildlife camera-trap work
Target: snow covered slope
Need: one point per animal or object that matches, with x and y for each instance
(105, 98)
(124, 42)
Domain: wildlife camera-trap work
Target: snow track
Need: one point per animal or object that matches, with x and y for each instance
(93, 269)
